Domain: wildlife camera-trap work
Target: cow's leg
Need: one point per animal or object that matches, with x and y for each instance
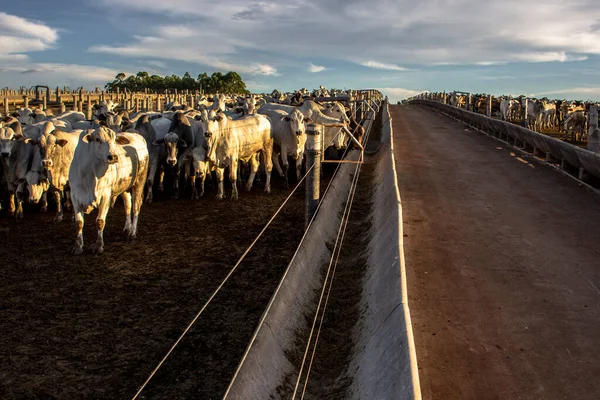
(194, 190)
(59, 208)
(202, 178)
(299, 166)
(19, 196)
(286, 167)
(176, 175)
(276, 163)
(11, 203)
(103, 207)
(233, 165)
(67, 204)
(44, 202)
(78, 248)
(161, 177)
(220, 186)
(254, 164)
(137, 198)
(127, 205)
(267, 154)
(150, 179)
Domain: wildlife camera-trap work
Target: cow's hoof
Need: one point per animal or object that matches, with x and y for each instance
(68, 205)
(194, 196)
(58, 218)
(44, 209)
(19, 215)
(76, 250)
(219, 197)
(201, 194)
(175, 196)
(286, 185)
(248, 188)
(160, 188)
(148, 200)
(234, 197)
(98, 250)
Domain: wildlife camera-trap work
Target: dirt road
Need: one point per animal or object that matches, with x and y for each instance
(503, 264)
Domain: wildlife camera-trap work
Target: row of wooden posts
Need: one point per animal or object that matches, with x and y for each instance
(85, 102)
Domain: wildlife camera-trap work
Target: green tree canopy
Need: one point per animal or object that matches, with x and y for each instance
(229, 83)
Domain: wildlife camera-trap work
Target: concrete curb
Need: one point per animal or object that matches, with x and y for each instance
(385, 367)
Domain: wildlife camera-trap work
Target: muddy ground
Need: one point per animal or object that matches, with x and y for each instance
(95, 326)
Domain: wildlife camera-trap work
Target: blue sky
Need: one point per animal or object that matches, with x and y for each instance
(540, 48)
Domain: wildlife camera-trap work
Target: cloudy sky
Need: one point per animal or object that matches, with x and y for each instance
(402, 47)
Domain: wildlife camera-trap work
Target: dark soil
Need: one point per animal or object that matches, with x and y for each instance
(75, 327)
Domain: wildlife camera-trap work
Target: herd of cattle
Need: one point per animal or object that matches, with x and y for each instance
(89, 164)
(565, 116)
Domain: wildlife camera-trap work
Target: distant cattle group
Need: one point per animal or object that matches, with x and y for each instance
(541, 115)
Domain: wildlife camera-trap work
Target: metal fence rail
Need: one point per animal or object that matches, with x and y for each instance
(553, 149)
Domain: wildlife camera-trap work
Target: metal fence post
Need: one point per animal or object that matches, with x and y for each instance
(525, 105)
(313, 180)
(593, 132)
(489, 106)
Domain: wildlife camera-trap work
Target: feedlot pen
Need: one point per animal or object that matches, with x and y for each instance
(95, 327)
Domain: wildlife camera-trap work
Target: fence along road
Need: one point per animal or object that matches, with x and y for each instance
(503, 266)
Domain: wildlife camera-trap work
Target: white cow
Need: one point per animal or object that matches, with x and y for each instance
(289, 135)
(24, 115)
(56, 149)
(37, 182)
(15, 155)
(575, 124)
(105, 166)
(230, 141)
(332, 115)
(103, 108)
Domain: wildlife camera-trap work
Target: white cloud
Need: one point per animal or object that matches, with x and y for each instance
(19, 35)
(395, 93)
(191, 44)
(379, 65)
(52, 74)
(576, 92)
(315, 68)
(418, 33)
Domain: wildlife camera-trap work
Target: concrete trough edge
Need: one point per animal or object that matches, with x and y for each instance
(385, 365)
(266, 366)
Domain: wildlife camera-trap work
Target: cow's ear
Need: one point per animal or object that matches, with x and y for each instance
(18, 137)
(158, 142)
(219, 117)
(308, 120)
(15, 114)
(122, 140)
(62, 142)
(182, 143)
(286, 118)
(30, 141)
(87, 138)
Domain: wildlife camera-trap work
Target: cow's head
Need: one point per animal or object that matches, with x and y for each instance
(36, 186)
(7, 139)
(172, 144)
(24, 115)
(48, 143)
(297, 123)
(215, 123)
(337, 110)
(104, 141)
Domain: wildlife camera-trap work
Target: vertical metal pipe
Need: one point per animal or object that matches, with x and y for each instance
(313, 180)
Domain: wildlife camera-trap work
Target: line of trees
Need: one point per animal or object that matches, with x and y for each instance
(218, 82)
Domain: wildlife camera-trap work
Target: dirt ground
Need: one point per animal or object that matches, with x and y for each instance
(91, 327)
(503, 266)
